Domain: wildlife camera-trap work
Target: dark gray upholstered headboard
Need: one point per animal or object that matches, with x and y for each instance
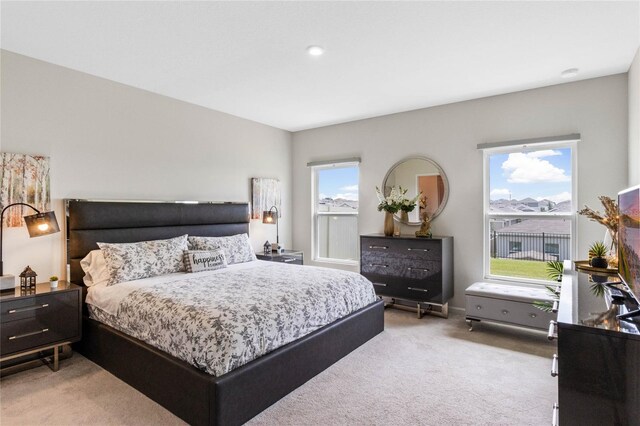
(124, 222)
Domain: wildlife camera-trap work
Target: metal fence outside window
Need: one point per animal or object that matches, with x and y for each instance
(530, 246)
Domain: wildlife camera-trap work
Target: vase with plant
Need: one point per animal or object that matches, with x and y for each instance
(393, 203)
(53, 281)
(597, 255)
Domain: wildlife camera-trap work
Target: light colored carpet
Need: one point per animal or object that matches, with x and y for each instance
(428, 372)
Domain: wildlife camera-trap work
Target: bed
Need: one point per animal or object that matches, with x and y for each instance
(197, 397)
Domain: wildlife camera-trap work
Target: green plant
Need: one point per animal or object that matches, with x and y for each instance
(53, 278)
(546, 305)
(598, 249)
(555, 269)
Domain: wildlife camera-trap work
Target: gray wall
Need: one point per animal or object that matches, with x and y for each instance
(448, 134)
(634, 121)
(111, 141)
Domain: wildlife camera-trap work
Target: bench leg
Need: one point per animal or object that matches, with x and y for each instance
(470, 324)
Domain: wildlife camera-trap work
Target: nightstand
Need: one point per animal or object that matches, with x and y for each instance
(43, 319)
(288, 256)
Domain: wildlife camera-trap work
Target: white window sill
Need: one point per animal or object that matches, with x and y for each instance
(337, 261)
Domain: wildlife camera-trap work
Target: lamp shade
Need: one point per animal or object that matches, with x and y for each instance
(40, 224)
(270, 217)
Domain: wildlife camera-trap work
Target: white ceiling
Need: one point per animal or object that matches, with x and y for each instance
(248, 58)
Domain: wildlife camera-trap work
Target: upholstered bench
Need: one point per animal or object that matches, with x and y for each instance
(508, 304)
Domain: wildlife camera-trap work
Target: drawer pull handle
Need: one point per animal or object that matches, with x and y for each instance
(418, 249)
(378, 265)
(554, 308)
(380, 284)
(552, 334)
(418, 269)
(379, 247)
(554, 366)
(28, 308)
(290, 259)
(418, 289)
(33, 333)
(554, 419)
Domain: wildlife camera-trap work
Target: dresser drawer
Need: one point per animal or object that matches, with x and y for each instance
(38, 327)
(418, 290)
(31, 307)
(414, 249)
(394, 265)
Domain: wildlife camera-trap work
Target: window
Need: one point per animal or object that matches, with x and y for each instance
(529, 205)
(335, 212)
(515, 246)
(552, 248)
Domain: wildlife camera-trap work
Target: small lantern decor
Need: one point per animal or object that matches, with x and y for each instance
(267, 248)
(28, 279)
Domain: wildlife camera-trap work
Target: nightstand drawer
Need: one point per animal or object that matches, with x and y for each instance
(293, 260)
(291, 257)
(57, 322)
(37, 305)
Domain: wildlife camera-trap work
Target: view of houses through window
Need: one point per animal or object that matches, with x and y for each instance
(530, 211)
(336, 212)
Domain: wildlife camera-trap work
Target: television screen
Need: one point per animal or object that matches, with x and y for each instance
(629, 239)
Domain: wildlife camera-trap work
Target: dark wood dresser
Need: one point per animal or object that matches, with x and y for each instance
(408, 268)
(39, 319)
(598, 359)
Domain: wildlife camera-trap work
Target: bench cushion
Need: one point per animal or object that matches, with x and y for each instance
(509, 292)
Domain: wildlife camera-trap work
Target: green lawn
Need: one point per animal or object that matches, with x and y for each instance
(519, 268)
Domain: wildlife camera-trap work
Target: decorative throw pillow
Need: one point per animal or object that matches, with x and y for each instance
(236, 248)
(132, 261)
(204, 260)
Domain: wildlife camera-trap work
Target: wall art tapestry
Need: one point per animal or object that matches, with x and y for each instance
(266, 193)
(24, 179)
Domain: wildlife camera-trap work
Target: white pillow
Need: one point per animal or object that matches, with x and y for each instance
(204, 260)
(95, 268)
(132, 261)
(237, 248)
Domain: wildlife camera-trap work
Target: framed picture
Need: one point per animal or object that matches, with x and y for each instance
(265, 194)
(23, 179)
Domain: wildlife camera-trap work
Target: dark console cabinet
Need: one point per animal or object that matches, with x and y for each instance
(598, 360)
(409, 268)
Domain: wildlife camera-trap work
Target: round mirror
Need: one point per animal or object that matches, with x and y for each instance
(418, 175)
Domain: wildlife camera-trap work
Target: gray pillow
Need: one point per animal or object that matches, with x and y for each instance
(132, 261)
(204, 260)
(236, 248)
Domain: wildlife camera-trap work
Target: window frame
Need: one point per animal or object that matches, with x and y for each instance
(571, 215)
(315, 223)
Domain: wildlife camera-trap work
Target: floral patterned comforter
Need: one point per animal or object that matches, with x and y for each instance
(222, 321)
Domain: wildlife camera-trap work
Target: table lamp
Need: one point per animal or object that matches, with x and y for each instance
(271, 217)
(39, 224)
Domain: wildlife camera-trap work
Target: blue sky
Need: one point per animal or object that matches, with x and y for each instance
(536, 174)
(338, 182)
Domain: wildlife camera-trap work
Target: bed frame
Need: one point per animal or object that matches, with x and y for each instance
(189, 393)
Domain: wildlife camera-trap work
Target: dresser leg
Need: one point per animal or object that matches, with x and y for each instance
(56, 358)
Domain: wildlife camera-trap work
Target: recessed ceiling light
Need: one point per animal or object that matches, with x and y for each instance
(571, 72)
(315, 50)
